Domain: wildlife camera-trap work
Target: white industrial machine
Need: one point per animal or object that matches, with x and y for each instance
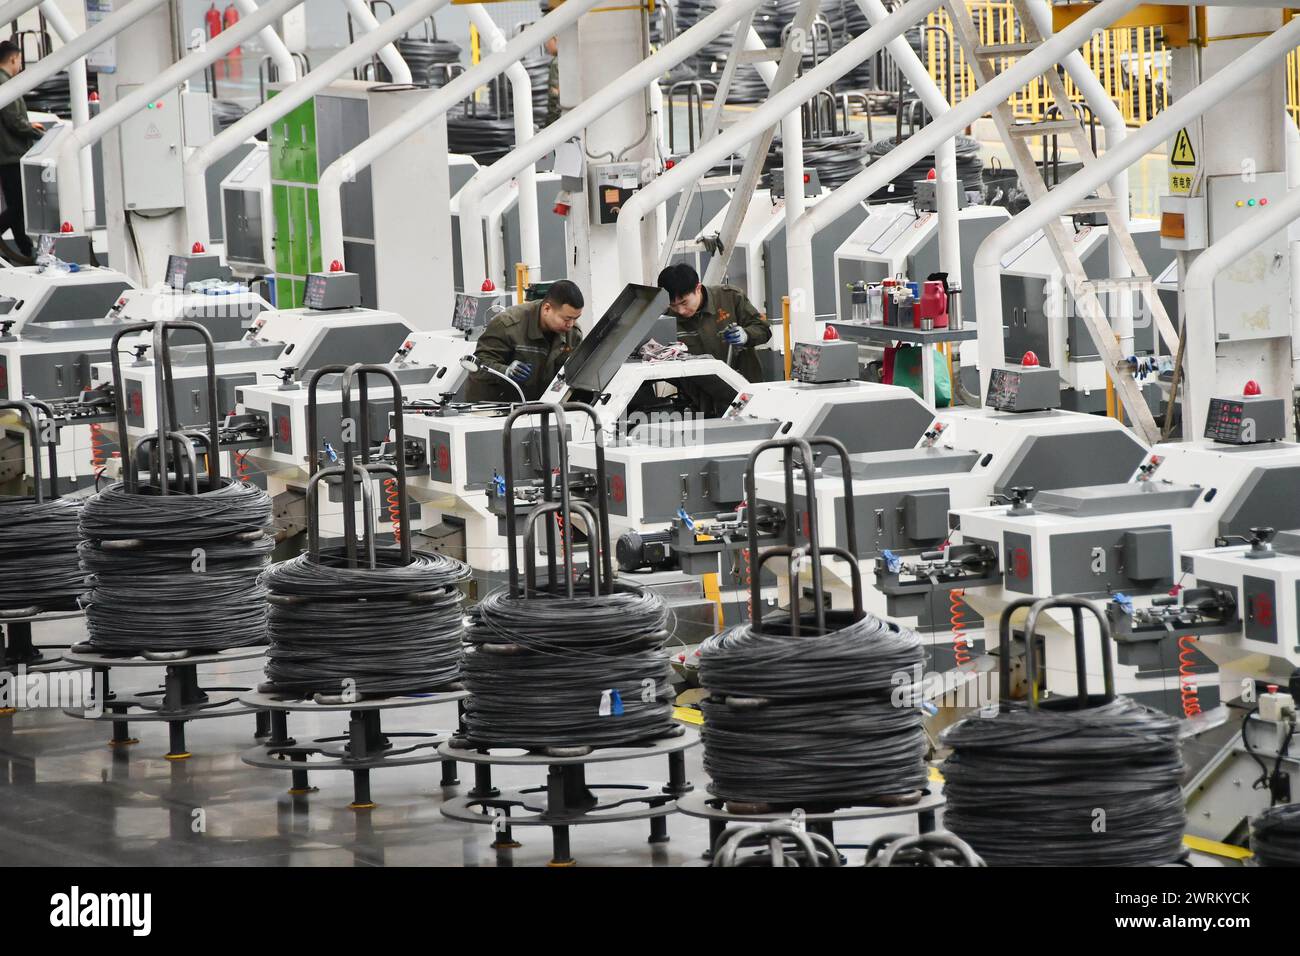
(1039, 315)
(247, 217)
(1120, 542)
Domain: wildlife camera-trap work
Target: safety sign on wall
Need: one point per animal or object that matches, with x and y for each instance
(1182, 164)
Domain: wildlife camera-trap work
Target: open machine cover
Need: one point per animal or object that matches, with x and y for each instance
(624, 325)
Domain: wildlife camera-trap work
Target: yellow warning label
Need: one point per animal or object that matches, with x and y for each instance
(1180, 183)
(1182, 153)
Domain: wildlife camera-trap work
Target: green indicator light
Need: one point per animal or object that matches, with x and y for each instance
(1250, 202)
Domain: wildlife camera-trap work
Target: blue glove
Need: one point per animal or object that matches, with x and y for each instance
(735, 335)
(519, 371)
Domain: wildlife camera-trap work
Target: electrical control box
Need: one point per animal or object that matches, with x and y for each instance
(1025, 389)
(474, 310)
(925, 196)
(332, 290)
(1182, 223)
(1246, 420)
(812, 184)
(1252, 296)
(816, 362)
(153, 145)
(195, 267)
(612, 184)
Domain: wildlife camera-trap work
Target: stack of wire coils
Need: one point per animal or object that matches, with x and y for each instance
(1275, 836)
(485, 136)
(811, 719)
(901, 189)
(39, 565)
(1059, 785)
(550, 672)
(392, 629)
(176, 572)
(539, 75)
(847, 23)
(428, 58)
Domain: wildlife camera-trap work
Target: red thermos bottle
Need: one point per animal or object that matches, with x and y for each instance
(933, 304)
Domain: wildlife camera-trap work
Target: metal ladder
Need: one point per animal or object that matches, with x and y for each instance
(984, 63)
(788, 59)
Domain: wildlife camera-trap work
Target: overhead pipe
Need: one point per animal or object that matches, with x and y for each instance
(1112, 122)
(71, 208)
(737, 136)
(1162, 127)
(284, 102)
(521, 98)
(1198, 290)
(1293, 241)
(285, 68)
(800, 234)
(572, 122)
(911, 151)
(77, 49)
(362, 156)
(13, 10)
(388, 55)
(78, 94)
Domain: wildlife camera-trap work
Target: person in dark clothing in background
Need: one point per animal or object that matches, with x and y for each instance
(17, 134)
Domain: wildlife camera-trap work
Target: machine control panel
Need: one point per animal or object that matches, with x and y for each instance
(1027, 389)
(738, 404)
(332, 290)
(612, 184)
(816, 362)
(1246, 420)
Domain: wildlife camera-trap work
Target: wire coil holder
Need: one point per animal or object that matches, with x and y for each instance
(1085, 780)
(40, 573)
(566, 799)
(801, 714)
(351, 622)
(147, 569)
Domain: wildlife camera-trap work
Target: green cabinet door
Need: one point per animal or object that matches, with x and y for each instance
(288, 293)
(312, 222)
(298, 240)
(283, 229)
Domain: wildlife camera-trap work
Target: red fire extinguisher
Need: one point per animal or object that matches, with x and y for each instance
(229, 19)
(213, 20)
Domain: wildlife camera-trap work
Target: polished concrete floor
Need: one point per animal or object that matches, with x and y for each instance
(69, 799)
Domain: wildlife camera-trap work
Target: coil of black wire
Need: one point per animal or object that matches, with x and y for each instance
(969, 167)
(485, 137)
(1275, 836)
(1098, 786)
(427, 58)
(176, 572)
(553, 671)
(811, 720)
(39, 566)
(392, 629)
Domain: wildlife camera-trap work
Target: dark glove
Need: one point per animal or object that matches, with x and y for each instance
(519, 371)
(735, 335)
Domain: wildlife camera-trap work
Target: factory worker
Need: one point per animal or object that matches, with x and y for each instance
(716, 320)
(527, 343)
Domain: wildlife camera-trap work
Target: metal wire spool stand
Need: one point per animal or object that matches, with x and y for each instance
(134, 618)
(357, 583)
(1275, 835)
(781, 738)
(1088, 780)
(567, 799)
(40, 573)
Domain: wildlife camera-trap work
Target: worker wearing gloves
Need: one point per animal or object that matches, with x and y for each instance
(527, 343)
(716, 320)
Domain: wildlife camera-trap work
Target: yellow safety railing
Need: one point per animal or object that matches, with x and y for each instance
(1132, 63)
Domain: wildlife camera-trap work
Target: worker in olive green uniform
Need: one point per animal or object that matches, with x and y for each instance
(527, 343)
(552, 83)
(716, 320)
